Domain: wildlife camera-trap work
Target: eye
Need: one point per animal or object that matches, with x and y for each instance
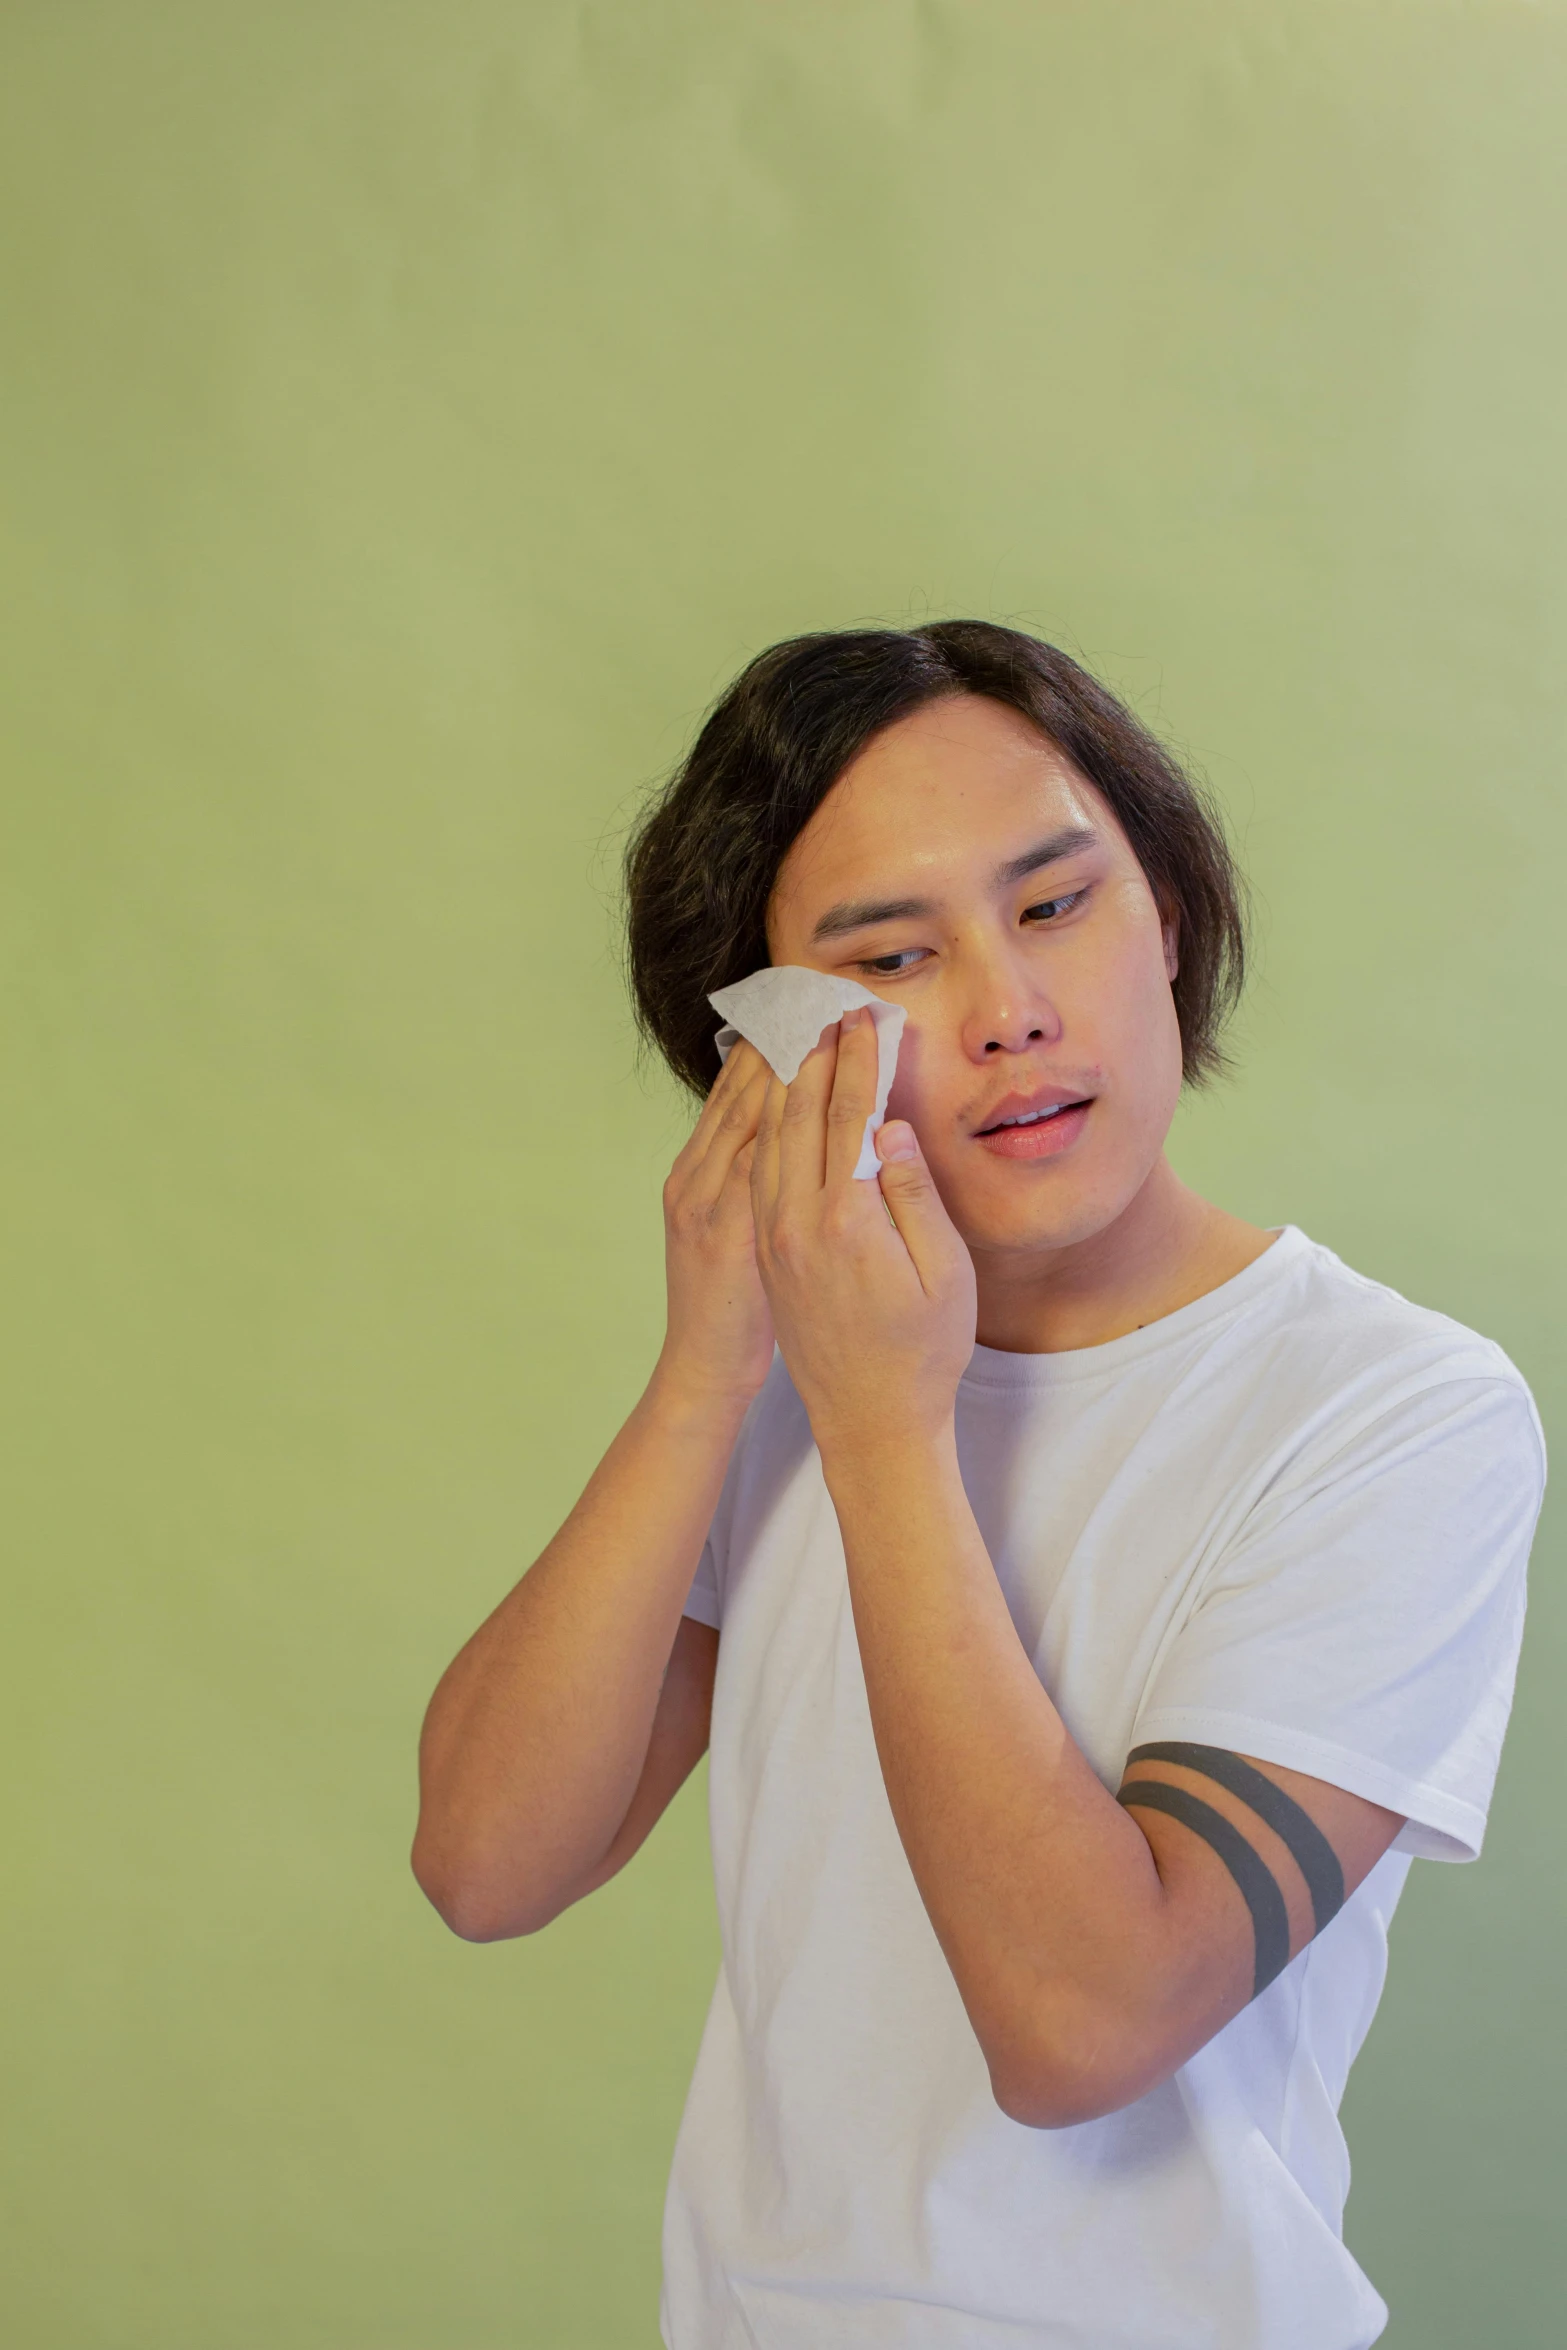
(1052, 909)
(889, 966)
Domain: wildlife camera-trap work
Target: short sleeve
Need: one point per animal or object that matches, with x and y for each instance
(1363, 1626)
(702, 1598)
(705, 1599)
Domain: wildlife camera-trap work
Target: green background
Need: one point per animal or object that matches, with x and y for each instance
(414, 413)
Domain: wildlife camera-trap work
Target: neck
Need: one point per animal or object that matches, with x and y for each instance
(1167, 1248)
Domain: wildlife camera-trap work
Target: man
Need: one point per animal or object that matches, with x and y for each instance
(1091, 1600)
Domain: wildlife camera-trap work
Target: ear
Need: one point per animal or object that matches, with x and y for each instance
(1172, 935)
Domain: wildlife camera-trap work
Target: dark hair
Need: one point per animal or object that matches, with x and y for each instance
(703, 857)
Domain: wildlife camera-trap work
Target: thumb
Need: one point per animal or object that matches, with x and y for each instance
(913, 1201)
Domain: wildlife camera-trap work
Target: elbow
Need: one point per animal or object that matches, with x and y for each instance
(477, 1920)
(1059, 2082)
(1044, 2100)
(474, 1910)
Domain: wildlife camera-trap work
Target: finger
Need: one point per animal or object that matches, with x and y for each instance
(914, 1203)
(733, 1205)
(802, 1137)
(733, 1125)
(853, 1095)
(737, 1072)
(764, 1159)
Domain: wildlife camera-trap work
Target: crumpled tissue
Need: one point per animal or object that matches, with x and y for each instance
(783, 1010)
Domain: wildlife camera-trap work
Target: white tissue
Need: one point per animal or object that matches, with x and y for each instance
(783, 1010)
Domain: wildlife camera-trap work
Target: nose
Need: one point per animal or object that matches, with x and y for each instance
(1009, 1013)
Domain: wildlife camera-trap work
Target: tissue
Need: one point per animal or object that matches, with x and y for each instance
(783, 1010)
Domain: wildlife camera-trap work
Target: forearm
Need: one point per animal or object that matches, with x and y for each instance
(1042, 1890)
(537, 1732)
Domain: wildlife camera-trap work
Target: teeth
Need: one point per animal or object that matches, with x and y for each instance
(1032, 1117)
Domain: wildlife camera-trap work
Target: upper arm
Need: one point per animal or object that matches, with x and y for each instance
(1236, 1891)
(1253, 1861)
(1369, 1613)
(678, 1741)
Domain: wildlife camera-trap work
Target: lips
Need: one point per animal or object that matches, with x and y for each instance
(1038, 1138)
(1035, 1126)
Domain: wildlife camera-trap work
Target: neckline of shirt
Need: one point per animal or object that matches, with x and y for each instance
(992, 1366)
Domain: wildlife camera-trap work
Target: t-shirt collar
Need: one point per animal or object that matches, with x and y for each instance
(992, 1366)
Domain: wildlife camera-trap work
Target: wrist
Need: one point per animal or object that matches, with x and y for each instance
(876, 1455)
(687, 1403)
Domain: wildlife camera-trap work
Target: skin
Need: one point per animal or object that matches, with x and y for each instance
(1095, 1949)
(1059, 977)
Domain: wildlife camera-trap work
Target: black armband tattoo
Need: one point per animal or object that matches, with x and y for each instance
(1270, 1923)
(1313, 1855)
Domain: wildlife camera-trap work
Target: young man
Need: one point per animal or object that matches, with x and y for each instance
(1090, 1600)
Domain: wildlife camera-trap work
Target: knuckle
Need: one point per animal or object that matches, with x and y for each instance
(688, 1218)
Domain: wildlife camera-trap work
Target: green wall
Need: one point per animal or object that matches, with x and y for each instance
(413, 413)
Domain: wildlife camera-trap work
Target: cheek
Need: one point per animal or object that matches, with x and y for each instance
(932, 1084)
(1150, 1040)
(909, 1097)
(1119, 1011)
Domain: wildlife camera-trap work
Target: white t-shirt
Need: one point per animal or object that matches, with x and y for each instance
(1291, 1519)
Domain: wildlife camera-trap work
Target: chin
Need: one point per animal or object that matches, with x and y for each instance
(1001, 1227)
(1005, 1216)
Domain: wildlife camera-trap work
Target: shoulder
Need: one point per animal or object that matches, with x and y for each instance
(1338, 1330)
(1356, 1372)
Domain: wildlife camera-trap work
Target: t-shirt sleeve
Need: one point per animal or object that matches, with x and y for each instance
(1364, 1624)
(705, 1599)
(702, 1598)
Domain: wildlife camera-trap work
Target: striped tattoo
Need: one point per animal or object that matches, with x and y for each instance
(1314, 1856)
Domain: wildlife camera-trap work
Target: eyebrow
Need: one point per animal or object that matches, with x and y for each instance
(860, 913)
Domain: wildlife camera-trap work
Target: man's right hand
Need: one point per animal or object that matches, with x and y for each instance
(719, 1341)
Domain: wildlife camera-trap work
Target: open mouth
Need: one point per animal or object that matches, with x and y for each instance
(1036, 1134)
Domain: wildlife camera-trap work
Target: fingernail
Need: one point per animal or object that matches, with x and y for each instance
(898, 1143)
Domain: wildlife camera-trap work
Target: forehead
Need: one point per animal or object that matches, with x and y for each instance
(935, 802)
